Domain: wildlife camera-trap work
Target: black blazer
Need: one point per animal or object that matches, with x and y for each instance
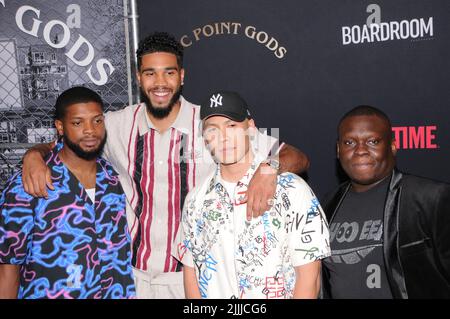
(416, 236)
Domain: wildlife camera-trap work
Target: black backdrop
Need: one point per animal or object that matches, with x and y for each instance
(318, 77)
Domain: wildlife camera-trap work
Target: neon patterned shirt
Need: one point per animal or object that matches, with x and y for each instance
(68, 246)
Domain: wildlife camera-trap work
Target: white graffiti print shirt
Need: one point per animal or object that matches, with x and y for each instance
(234, 258)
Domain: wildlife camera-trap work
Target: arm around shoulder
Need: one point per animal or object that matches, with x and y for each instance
(292, 160)
(36, 176)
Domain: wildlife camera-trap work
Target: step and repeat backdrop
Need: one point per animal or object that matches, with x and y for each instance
(302, 64)
(299, 64)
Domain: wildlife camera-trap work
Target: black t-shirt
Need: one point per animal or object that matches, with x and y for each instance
(356, 265)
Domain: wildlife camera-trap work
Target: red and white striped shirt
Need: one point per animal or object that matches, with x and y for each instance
(156, 171)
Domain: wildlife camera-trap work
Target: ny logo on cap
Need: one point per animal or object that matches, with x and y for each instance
(216, 100)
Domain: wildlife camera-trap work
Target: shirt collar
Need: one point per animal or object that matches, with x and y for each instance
(54, 162)
(182, 123)
(242, 184)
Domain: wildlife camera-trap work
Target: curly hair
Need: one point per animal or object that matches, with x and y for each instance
(74, 95)
(159, 42)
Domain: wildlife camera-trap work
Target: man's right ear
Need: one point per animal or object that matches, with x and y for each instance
(59, 127)
(337, 149)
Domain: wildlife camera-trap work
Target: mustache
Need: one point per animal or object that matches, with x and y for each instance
(160, 88)
(158, 112)
(87, 155)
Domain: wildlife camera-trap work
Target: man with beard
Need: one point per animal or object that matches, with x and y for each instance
(75, 243)
(158, 150)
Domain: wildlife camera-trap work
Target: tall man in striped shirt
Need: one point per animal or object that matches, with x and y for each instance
(157, 149)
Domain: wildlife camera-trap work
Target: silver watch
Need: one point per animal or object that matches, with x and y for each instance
(275, 164)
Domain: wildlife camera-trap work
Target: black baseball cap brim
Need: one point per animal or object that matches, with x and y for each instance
(232, 116)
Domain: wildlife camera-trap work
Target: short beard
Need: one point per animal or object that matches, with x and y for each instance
(161, 112)
(83, 154)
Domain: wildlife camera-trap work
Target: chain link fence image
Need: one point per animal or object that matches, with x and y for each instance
(47, 47)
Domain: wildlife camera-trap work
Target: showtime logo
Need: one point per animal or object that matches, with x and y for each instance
(415, 137)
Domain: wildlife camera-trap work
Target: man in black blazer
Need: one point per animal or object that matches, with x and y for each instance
(389, 231)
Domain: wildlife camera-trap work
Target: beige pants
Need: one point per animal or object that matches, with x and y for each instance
(167, 285)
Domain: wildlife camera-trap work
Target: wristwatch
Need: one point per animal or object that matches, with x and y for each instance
(275, 164)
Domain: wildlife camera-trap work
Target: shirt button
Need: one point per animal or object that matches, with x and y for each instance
(160, 162)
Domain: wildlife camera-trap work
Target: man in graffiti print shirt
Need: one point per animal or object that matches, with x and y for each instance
(75, 243)
(273, 256)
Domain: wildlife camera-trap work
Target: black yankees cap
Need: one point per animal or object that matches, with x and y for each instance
(225, 103)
